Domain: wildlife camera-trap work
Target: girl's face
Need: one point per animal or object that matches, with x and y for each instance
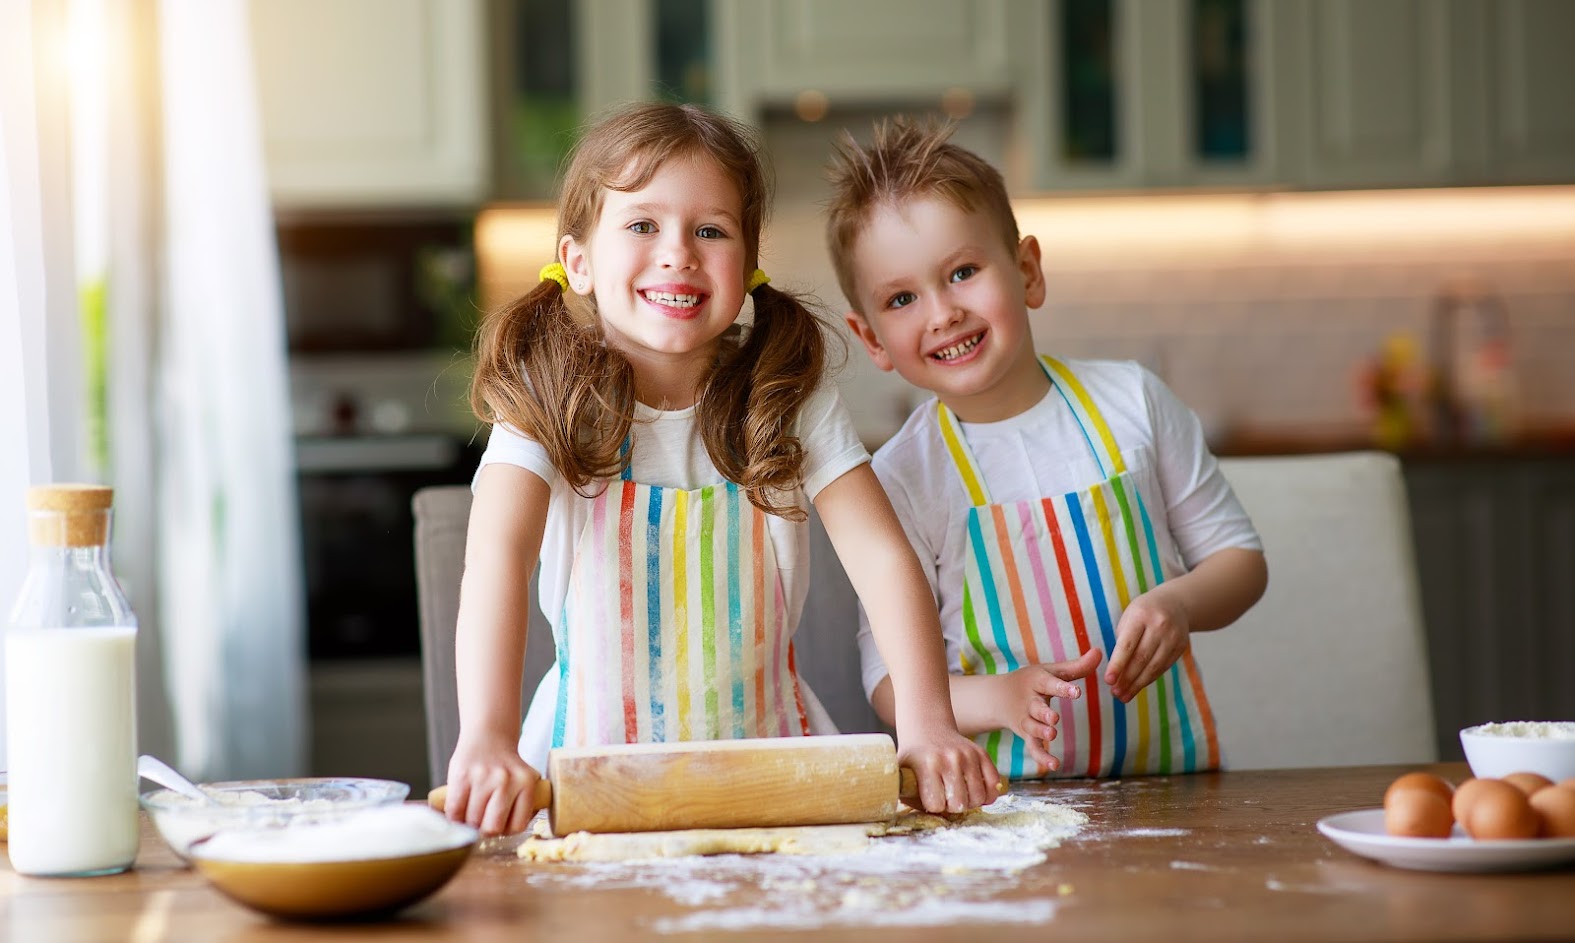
(666, 266)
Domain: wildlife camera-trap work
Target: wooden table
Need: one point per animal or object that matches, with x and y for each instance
(1205, 857)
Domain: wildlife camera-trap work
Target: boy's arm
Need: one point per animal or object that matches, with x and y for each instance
(490, 786)
(953, 772)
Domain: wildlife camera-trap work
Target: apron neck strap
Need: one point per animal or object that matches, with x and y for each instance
(1096, 432)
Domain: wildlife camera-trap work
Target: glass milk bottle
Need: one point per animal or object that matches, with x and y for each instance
(69, 687)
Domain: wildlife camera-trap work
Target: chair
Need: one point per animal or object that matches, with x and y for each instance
(826, 644)
(1330, 667)
(442, 513)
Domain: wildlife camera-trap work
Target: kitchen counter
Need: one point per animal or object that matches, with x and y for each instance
(1205, 857)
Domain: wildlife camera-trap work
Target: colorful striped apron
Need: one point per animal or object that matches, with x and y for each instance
(1048, 579)
(674, 626)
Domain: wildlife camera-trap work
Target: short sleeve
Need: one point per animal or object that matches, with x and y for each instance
(832, 447)
(506, 445)
(1203, 512)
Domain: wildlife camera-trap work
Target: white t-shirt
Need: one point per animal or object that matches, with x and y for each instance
(667, 451)
(1041, 453)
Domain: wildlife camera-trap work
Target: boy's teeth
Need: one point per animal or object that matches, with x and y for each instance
(672, 300)
(958, 349)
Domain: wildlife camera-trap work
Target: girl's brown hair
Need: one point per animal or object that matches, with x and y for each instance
(547, 373)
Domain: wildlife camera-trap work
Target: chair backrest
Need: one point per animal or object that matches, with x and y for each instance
(1330, 667)
(826, 644)
(442, 514)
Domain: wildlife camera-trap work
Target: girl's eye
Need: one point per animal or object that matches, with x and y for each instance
(965, 272)
(710, 232)
(642, 227)
(901, 299)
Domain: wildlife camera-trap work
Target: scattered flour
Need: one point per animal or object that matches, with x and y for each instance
(951, 875)
(1530, 729)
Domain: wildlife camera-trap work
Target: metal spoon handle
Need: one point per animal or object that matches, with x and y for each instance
(151, 767)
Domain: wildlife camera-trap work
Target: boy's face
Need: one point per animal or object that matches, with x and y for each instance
(942, 301)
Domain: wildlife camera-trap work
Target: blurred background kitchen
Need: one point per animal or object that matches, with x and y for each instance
(1327, 224)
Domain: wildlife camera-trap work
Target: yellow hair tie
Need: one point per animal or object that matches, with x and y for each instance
(555, 273)
(755, 281)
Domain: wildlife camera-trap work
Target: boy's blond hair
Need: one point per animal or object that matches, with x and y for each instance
(907, 160)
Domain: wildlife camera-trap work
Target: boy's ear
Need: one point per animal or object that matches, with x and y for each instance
(571, 255)
(1031, 264)
(866, 335)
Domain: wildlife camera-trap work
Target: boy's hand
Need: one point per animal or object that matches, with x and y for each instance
(1024, 701)
(954, 774)
(490, 787)
(1154, 631)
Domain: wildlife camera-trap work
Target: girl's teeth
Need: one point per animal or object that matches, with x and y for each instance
(957, 350)
(672, 300)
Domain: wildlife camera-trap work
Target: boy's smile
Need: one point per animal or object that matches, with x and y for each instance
(943, 302)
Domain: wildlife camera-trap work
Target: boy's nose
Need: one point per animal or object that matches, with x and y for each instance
(943, 314)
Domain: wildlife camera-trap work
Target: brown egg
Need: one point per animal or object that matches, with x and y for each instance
(1465, 797)
(1426, 781)
(1567, 783)
(1417, 813)
(1528, 783)
(1500, 811)
(1555, 810)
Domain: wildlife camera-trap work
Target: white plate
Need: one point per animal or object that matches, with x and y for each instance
(1362, 832)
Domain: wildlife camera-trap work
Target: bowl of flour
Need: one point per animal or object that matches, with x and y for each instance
(366, 865)
(1523, 746)
(263, 804)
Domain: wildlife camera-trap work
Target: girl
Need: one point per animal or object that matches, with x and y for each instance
(660, 461)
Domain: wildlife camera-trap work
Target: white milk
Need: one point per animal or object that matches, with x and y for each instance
(71, 728)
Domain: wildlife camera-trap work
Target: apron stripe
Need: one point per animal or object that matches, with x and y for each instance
(707, 586)
(653, 615)
(798, 695)
(1074, 605)
(1163, 707)
(1068, 729)
(1106, 630)
(1195, 677)
(992, 747)
(763, 709)
(560, 716)
(992, 602)
(1014, 585)
(1183, 720)
(631, 713)
(1090, 412)
(735, 625)
(952, 436)
(1189, 750)
(681, 608)
(971, 626)
(1133, 547)
(1123, 598)
(784, 662)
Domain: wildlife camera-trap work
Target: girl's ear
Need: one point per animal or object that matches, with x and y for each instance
(1031, 265)
(866, 335)
(571, 255)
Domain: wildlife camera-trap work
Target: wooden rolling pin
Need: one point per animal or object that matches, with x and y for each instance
(780, 781)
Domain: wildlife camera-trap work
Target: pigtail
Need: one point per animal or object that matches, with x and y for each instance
(546, 374)
(752, 400)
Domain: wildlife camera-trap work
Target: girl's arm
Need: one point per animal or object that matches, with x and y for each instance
(953, 772)
(489, 785)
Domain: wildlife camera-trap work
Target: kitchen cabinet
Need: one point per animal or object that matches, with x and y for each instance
(1421, 93)
(1495, 542)
(1118, 94)
(855, 54)
(372, 102)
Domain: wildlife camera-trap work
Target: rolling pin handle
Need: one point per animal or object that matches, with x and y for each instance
(541, 798)
(907, 786)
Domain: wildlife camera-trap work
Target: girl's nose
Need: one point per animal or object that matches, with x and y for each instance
(678, 252)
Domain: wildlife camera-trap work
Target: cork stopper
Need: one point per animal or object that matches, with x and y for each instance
(68, 515)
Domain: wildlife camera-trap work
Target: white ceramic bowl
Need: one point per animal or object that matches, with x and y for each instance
(1496, 750)
(264, 803)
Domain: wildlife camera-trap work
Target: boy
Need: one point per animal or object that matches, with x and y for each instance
(1064, 511)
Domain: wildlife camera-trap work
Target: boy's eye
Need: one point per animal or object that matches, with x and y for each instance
(710, 232)
(964, 272)
(901, 299)
(643, 227)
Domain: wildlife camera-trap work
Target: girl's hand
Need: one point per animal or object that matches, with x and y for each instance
(1022, 701)
(953, 773)
(490, 787)
(1154, 631)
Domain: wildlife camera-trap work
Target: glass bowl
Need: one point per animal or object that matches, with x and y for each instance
(263, 804)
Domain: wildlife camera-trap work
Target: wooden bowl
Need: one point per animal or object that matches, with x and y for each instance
(332, 890)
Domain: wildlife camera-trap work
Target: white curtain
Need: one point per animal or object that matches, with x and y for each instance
(229, 583)
(39, 383)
